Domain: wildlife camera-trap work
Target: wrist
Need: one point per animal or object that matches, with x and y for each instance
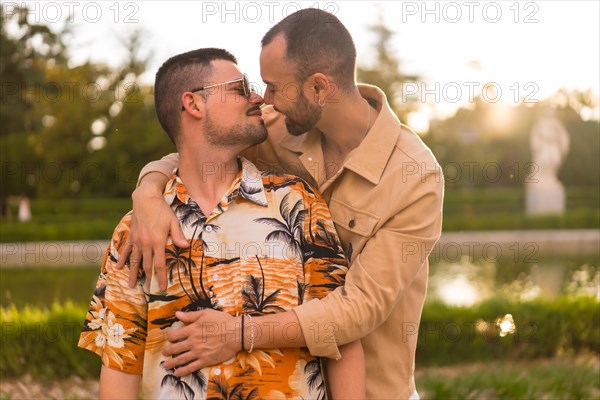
(250, 334)
(247, 333)
(242, 321)
(149, 187)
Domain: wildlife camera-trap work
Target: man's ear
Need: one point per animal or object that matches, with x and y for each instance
(322, 85)
(320, 81)
(191, 104)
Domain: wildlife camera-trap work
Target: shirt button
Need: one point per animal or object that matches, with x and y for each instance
(208, 228)
(217, 371)
(352, 223)
(215, 277)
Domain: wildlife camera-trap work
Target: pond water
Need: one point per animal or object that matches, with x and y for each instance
(467, 281)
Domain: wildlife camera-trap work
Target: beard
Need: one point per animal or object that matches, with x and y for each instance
(237, 135)
(302, 117)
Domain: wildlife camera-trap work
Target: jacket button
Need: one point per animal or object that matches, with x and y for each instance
(352, 223)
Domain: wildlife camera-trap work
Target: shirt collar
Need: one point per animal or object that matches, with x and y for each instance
(247, 184)
(370, 158)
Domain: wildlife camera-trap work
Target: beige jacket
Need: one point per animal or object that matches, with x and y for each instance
(386, 202)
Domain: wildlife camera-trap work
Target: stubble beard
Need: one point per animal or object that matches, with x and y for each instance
(303, 118)
(236, 135)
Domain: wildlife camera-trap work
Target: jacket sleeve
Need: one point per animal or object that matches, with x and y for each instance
(380, 275)
(165, 166)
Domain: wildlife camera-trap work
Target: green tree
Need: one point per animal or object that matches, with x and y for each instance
(102, 132)
(385, 71)
(26, 51)
(24, 56)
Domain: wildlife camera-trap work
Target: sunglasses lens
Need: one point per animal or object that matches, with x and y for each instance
(247, 88)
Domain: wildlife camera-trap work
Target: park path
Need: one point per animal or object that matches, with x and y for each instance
(451, 246)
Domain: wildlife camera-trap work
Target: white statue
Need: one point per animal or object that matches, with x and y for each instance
(24, 209)
(549, 143)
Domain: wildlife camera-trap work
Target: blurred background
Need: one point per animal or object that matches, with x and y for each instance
(504, 93)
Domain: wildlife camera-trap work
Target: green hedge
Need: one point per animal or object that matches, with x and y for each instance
(42, 343)
(67, 219)
(468, 210)
(544, 328)
(571, 219)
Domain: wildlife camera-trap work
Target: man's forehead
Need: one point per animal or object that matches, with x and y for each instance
(273, 64)
(224, 70)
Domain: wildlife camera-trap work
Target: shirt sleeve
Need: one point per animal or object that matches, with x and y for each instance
(115, 325)
(379, 276)
(325, 264)
(165, 166)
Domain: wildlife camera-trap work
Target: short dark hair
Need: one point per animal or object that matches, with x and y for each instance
(178, 74)
(317, 41)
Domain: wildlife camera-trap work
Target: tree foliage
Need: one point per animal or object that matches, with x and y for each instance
(476, 148)
(385, 72)
(70, 131)
(87, 130)
(487, 144)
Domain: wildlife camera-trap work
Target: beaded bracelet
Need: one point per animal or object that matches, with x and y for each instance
(251, 334)
(243, 349)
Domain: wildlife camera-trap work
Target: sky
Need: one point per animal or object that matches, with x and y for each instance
(523, 49)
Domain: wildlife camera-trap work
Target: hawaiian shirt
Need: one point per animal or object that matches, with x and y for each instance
(268, 246)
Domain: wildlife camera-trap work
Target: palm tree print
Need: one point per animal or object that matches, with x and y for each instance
(254, 295)
(327, 236)
(301, 290)
(315, 379)
(235, 392)
(247, 191)
(349, 252)
(175, 261)
(183, 385)
(292, 181)
(290, 231)
(203, 299)
(190, 214)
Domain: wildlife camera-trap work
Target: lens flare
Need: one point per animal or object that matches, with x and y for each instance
(505, 325)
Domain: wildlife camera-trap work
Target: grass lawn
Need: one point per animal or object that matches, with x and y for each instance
(40, 286)
(559, 378)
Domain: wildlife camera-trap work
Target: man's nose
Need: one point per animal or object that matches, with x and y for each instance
(268, 98)
(256, 98)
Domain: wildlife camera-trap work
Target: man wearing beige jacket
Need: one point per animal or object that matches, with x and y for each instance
(384, 189)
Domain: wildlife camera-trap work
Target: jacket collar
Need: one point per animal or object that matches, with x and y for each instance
(370, 158)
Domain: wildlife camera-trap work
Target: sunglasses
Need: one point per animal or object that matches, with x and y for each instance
(246, 93)
(246, 89)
